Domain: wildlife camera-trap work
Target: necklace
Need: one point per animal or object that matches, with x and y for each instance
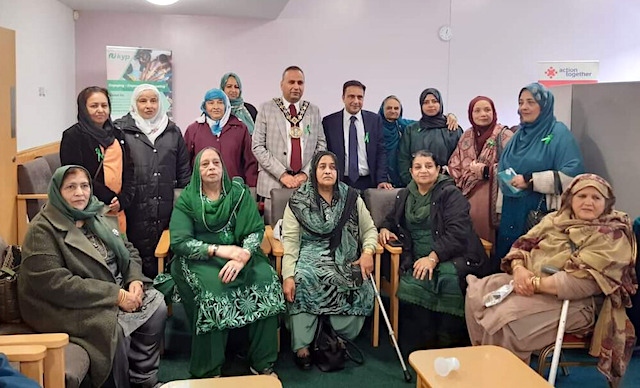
(97, 243)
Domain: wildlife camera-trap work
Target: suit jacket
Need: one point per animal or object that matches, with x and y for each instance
(270, 141)
(376, 152)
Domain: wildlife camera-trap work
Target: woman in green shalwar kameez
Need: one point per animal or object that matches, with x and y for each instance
(431, 219)
(223, 278)
(327, 233)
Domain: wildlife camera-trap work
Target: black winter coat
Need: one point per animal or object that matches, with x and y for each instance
(159, 168)
(453, 236)
(79, 148)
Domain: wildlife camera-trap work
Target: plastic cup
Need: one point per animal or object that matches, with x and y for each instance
(444, 366)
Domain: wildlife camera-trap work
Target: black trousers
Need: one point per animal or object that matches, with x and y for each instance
(422, 328)
(137, 357)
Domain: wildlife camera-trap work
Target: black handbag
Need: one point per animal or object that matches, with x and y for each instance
(329, 351)
(9, 310)
(535, 216)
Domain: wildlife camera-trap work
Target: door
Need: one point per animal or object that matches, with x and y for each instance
(8, 145)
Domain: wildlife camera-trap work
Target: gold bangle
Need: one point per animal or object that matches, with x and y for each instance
(535, 281)
(517, 262)
(368, 251)
(513, 269)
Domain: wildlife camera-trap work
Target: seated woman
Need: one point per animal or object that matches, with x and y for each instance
(80, 276)
(434, 133)
(221, 274)
(595, 250)
(474, 163)
(327, 233)
(431, 220)
(245, 112)
(217, 127)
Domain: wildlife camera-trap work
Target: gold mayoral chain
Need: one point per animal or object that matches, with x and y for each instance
(296, 130)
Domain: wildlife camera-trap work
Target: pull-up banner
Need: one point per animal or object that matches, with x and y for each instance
(128, 67)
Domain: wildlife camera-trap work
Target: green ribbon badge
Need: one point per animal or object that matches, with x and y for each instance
(366, 137)
(99, 153)
(307, 129)
(547, 139)
(491, 143)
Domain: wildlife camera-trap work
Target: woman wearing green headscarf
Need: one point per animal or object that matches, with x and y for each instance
(329, 240)
(431, 219)
(245, 112)
(219, 270)
(85, 278)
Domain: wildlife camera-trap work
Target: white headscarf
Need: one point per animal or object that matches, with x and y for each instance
(158, 123)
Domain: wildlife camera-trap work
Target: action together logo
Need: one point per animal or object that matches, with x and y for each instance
(568, 72)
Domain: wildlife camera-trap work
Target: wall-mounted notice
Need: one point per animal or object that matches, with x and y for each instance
(128, 67)
(554, 73)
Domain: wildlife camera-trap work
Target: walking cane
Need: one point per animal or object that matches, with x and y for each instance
(407, 375)
(557, 350)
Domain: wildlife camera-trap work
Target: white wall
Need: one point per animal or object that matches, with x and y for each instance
(45, 57)
(497, 44)
(391, 46)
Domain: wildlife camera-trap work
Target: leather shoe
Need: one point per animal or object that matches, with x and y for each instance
(303, 362)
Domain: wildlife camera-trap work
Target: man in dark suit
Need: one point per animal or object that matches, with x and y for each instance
(356, 137)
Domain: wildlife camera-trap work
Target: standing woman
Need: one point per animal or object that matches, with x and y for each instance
(96, 145)
(245, 112)
(474, 162)
(217, 127)
(161, 164)
(544, 155)
(393, 128)
(434, 133)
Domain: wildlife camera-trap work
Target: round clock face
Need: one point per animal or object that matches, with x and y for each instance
(445, 33)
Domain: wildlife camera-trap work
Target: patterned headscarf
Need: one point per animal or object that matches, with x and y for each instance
(605, 251)
(216, 125)
(237, 104)
(481, 133)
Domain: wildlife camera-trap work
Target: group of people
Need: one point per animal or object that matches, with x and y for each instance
(89, 253)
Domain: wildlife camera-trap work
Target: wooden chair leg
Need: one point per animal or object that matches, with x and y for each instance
(33, 370)
(54, 368)
(375, 332)
(394, 303)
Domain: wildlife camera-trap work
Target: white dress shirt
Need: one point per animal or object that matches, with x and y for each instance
(363, 165)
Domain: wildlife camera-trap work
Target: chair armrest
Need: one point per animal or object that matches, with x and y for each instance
(24, 353)
(50, 340)
(393, 250)
(487, 246)
(277, 249)
(379, 249)
(265, 245)
(24, 197)
(162, 249)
